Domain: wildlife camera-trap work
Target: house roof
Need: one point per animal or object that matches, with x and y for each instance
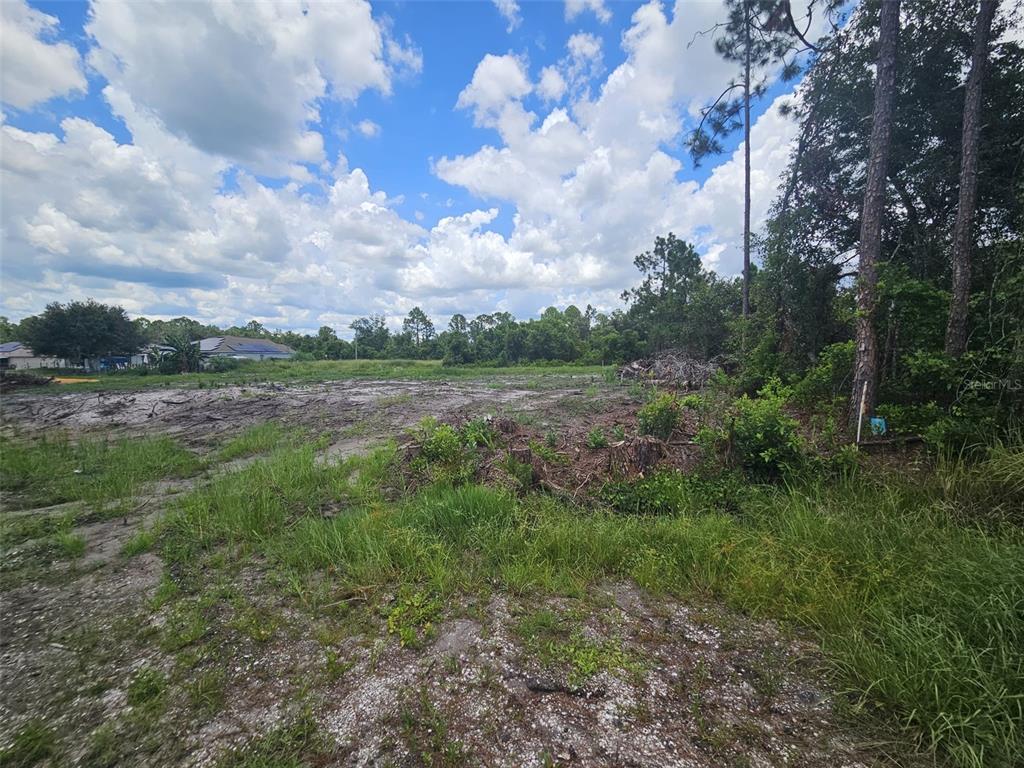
(12, 346)
(227, 345)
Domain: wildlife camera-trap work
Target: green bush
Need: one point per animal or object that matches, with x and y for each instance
(829, 378)
(596, 438)
(669, 492)
(660, 416)
(760, 438)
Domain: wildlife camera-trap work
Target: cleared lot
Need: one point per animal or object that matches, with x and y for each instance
(235, 576)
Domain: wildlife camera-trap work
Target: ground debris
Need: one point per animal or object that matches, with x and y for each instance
(671, 368)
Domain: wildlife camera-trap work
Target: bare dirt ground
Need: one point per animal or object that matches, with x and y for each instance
(615, 677)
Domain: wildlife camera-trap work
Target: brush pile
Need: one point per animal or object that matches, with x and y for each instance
(671, 368)
(12, 381)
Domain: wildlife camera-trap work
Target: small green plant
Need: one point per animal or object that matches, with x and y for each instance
(412, 617)
(146, 687)
(660, 416)
(619, 433)
(549, 455)
(518, 470)
(335, 666)
(445, 455)
(551, 439)
(142, 541)
(479, 433)
(425, 732)
(206, 692)
(69, 545)
(596, 438)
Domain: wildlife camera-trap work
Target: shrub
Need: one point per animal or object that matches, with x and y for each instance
(660, 416)
(758, 436)
(670, 492)
(829, 378)
(223, 364)
(596, 438)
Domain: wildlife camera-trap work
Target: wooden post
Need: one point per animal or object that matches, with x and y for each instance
(860, 410)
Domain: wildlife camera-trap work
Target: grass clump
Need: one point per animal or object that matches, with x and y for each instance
(142, 541)
(148, 686)
(33, 743)
(259, 438)
(299, 744)
(660, 416)
(425, 732)
(549, 637)
(53, 470)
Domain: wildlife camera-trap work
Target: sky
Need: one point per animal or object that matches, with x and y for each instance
(304, 164)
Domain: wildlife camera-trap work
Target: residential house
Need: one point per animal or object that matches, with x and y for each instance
(14, 354)
(241, 348)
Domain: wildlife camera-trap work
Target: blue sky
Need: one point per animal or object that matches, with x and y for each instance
(305, 164)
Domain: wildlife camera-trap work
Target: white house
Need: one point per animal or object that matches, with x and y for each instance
(14, 354)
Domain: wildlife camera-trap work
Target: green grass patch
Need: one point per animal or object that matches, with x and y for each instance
(33, 743)
(299, 744)
(312, 371)
(917, 612)
(54, 470)
(259, 438)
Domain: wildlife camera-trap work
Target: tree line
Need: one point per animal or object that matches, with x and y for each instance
(891, 266)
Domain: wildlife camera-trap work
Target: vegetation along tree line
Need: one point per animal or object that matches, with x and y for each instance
(890, 268)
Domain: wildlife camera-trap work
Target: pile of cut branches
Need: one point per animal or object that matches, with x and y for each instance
(10, 381)
(671, 368)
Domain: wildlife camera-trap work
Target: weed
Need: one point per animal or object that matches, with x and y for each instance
(68, 545)
(206, 692)
(660, 416)
(259, 438)
(335, 667)
(551, 439)
(33, 743)
(298, 744)
(596, 438)
(142, 541)
(104, 749)
(425, 732)
(53, 470)
(412, 617)
(546, 635)
(619, 433)
(185, 625)
(479, 433)
(549, 455)
(258, 624)
(146, 687)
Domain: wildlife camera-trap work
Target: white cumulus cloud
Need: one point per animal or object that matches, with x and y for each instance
(33, 70)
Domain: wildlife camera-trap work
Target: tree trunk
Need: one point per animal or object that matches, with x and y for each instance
(865, 366)
(956, 329)
(746, 160)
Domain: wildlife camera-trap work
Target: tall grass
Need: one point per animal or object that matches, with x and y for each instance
(259, 438)
(53, 470)
(921, 615)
